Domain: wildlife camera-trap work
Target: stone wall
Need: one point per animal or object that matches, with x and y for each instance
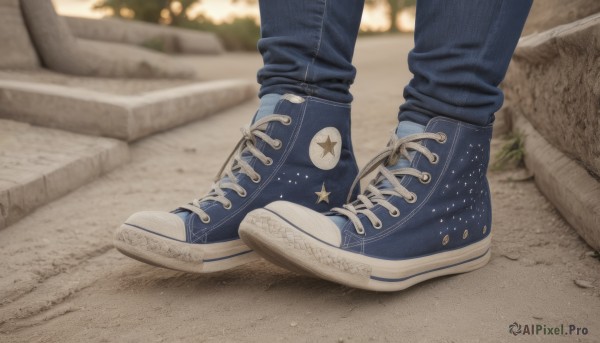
(554, 81)
(61, 51)
(16, 47)
(552, 97)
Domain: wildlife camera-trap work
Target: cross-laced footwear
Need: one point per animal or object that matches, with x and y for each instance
(301, 153)
(412, 223)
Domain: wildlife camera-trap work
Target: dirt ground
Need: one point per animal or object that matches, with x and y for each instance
(61, 280)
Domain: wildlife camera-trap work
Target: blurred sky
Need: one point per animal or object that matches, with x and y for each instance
(374, 19)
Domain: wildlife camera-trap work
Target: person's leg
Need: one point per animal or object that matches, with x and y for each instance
(297, 148)
(307, 47)
(427, 213)
(462, 50)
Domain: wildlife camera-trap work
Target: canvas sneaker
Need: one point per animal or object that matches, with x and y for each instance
(428, 218)
(300, 152)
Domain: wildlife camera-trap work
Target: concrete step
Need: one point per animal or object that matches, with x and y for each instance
(38, 165)
(126, 117)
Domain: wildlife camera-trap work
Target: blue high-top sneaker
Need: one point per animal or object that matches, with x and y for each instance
(426, 218)
(298, 150)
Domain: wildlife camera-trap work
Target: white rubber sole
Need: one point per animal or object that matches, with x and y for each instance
(164, 252)
(285, 245)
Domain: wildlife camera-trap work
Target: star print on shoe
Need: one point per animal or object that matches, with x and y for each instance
(272, 161)
(328, 146)
(417, 220)
(323, 195)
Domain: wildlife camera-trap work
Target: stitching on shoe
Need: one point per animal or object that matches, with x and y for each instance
(328, 102)
(395, 227)
(266, 182)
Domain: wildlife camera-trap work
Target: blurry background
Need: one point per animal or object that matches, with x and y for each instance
(103, 118)
(236, 22)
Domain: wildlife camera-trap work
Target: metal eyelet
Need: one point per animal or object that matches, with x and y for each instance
(205, 221)
(361, 231)
(425, 178)
(227, 206)
(277, 145)
(412, 199)
(287, 121)
(269, 161)
(395, 213)
(443, 138)
(243, 193)
(378, 225)
(436, 159)
(257, 179)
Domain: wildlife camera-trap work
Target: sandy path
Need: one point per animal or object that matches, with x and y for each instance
(60, 280)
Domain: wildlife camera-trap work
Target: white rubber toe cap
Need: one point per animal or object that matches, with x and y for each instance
(309, 221)
(162, 223)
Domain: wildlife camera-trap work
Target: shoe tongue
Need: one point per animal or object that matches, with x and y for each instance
(404, 129)
(268, 102)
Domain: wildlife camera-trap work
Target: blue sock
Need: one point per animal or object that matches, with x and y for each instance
(267, 105)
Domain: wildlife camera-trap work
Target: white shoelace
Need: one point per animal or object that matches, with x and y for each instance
(397, 148)
(226, 177)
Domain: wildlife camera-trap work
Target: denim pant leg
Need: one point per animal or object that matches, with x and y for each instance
(307, 47)
(461, 54)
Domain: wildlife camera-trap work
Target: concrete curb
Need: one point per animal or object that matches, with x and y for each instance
(173, 39)
(39, 165)
(123, 117)
(572, 190)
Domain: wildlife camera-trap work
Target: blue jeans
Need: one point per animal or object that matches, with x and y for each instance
(461, 53)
